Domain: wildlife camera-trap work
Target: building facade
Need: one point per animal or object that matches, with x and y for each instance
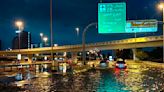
(25, 40)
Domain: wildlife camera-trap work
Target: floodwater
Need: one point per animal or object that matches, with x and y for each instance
(137, 78)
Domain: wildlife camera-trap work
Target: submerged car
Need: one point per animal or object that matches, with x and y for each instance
(120, 64)
(103, 63)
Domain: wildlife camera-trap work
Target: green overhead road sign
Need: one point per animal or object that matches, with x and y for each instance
(111, 17)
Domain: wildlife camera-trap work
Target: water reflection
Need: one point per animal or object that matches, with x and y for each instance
(141, 79)
(132, 78)
(80, 82)
(108, 82)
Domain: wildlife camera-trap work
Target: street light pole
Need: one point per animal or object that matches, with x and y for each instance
(41, 39)
(19, 24)
(19, 38)
(163, 30)
(135, 49)
(51, 29)
(161, 6)
(83, 40)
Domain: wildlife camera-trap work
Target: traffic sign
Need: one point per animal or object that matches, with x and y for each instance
(111, 17)
(135, 26)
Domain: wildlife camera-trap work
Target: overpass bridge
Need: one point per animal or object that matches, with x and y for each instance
(150, 41)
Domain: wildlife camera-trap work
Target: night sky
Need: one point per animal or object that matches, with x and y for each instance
(67, 15)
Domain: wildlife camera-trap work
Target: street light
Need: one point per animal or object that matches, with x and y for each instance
(77, 30)
(41, 38)
(161, 6)
(20, 26)
(45, 39)
(41, 34)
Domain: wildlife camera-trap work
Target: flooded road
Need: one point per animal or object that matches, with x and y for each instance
(137, 78)
(140, 79)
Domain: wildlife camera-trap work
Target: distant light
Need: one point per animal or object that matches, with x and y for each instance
(77, 29)
(45, 66)
(55, 45)
(110, 58)
(19, 56)
(65, 54)
(60, 58)
(41, 34)
(18, 31)
(45, 39)
(37, 54)
(56, 58)
(45, 57)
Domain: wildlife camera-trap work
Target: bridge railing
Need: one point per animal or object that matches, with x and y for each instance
(130, 40)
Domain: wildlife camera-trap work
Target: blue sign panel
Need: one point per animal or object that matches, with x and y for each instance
(135, 26)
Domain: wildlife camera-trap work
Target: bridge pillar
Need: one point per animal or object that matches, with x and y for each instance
(134, 54)
(74, 56)
(30, 58)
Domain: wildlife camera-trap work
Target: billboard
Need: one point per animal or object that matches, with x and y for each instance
(111, 17)
(135, 26)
